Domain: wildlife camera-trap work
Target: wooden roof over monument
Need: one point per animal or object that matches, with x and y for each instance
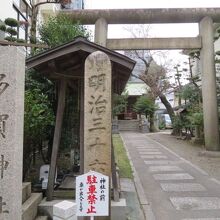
(67, 61)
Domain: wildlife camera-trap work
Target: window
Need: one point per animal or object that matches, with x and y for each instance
(22, 14)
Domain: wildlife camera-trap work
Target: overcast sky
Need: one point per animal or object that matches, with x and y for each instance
(98, 4)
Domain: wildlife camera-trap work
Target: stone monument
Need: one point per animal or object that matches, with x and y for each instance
(97, 114)
(12, 72)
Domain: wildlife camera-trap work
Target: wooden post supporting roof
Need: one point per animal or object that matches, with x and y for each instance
(81, 126)
(56, 138)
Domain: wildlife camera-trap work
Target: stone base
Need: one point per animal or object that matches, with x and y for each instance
(70, 218)
(118, 209)
(64, 210)
(46, 207)
(29, 207)
(198, 141)
(115, 128)
(144, 128)
(213, 154)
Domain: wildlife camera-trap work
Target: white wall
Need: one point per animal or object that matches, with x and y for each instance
(6, 9)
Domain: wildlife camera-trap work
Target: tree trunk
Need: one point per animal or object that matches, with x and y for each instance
(197, 132)
(33, 30)
(152, 126)
(168, 106)
(34, 156)
(170, 111)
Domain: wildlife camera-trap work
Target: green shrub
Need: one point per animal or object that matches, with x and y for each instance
(162, 125)
(11, 22)
(177, 122)
(2, 27)
(21, 41)
(145, 105)
(11, 31)
(119, 104)
(9, 38)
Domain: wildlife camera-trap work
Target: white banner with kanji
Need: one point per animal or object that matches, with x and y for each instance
(92, 194)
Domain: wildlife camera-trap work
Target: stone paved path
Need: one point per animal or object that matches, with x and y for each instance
(175, 188)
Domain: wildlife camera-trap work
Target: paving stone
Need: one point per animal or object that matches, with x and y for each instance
(150, 152)
(182, 187)
(195, 203)
(164, 168)
(153, 156)
(148, 149)
(160, 162)
(173, 176)
(201, 218)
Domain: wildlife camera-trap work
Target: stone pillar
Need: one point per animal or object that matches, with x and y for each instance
(210, 111)
(101, 32)
(12, 72)
(97, 114)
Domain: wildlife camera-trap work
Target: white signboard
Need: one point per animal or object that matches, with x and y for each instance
(92, 194)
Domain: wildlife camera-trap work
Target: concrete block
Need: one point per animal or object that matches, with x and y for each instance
(64, 209)
(46, 207)
(74, 217)
(118, 210)
(26, 191)
(42, 218)
(29, 208)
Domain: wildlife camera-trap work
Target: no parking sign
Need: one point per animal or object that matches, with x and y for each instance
(92, 194)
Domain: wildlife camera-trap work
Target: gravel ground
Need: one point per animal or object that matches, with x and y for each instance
(190, 152)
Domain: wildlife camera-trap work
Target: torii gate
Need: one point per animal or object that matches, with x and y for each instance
(203, 16)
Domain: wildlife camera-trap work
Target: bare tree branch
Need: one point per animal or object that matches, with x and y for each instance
(47, 2)
(30, 1)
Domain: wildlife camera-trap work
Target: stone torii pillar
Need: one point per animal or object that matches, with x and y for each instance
(101, 35)
(210, 108)
(101, 32)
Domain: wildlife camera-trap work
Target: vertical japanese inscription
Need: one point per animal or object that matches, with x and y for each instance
(3, 85)
(3, 117)
(3, 166)
(2, 207)
(97, 113)
(12, 71)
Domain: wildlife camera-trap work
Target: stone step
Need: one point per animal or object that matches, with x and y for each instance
(42, 218)
(128, 125)
(30, 207)
(64, 194)
(26, 191)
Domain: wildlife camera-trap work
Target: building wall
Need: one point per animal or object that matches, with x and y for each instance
(19, 10)
(75, 4)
